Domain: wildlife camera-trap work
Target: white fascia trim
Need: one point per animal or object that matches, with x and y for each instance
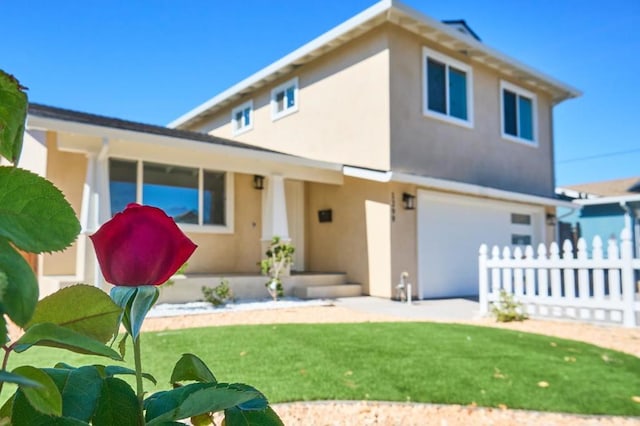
(372, 12)
(480, 191)
(608, 200)
(368, 174)
(301, 52)
(571, 92)
(37, 122)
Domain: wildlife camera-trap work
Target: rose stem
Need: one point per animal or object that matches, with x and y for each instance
(138, 362)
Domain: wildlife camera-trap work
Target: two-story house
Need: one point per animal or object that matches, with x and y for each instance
(392, 143)
(418, 111)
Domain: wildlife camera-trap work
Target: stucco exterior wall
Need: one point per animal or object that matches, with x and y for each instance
(478, 155)
(404, 234)
(343, 245)
(343, 113)
(236, 252)
(67, 171)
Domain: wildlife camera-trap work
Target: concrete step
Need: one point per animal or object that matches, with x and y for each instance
(328, 291)
(312, 279)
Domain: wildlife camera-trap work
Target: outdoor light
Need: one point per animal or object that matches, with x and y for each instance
(551, 219)
(258, 182)
(409, 201)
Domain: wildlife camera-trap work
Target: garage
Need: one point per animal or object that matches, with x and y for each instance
(451, 229)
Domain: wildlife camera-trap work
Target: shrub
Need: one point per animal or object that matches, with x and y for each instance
(219, 295)
(508, 309)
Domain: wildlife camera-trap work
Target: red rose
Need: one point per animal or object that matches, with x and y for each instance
(141, 246)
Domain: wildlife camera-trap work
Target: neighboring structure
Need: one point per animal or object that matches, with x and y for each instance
(606, 208)
(393, 143)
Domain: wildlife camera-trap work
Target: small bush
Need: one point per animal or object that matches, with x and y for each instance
(219, 295)
(507, 309)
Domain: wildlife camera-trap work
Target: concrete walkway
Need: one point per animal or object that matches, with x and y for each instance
(441, 309)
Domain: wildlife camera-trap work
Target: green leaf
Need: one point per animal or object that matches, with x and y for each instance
(122, 346)
(45, 398)
(23, 414)
(47, 334)
(3, 325)
(8, 377)
(13, 113)
(81, 392)
(194, 399)
(7, 407)
(236, 417)
(93, 315)
(113, 370)
(258, 403)
(118, 404)
(21, 294)
(190, 367)
(34, 215)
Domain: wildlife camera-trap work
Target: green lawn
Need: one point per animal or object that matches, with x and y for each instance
(420, 362)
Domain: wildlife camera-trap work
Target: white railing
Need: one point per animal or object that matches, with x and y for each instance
(596, 288)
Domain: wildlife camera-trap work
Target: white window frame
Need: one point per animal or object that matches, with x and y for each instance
(239, 128)
(275, 114)
(449, 62)
(228, 228)
(519, 91)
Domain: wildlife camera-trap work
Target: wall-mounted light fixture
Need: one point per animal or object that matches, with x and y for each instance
(258, 182)
(551, 219)
(409, 201)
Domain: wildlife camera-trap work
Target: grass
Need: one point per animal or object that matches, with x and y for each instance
(419, 362)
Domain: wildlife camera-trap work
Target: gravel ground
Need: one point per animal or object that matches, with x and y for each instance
(333, 413)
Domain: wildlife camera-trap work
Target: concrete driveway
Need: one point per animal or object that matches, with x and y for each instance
(441, 309)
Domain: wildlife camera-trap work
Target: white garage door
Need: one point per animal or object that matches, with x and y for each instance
(451, 229)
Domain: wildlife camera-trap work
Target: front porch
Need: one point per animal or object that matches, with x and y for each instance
(305, 285)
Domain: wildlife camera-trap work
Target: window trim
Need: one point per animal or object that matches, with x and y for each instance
(449, 62)
(519, 91)
(228, 228)
(240, 130)
(275, 114)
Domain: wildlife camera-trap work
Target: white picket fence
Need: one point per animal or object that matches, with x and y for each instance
(598, 289)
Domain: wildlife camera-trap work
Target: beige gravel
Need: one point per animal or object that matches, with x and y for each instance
(332, 413)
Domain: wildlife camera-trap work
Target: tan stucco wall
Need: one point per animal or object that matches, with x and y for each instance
(343, 111)
(67, 171)
(479, 155)
(343, 244)
(236, 252)
(404, 243)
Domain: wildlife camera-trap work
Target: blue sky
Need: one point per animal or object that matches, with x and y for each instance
(153, 60)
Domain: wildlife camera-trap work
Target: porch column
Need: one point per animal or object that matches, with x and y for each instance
(274, 210)
(95, 210)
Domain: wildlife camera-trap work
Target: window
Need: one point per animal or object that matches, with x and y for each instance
(520, 219)
(520, 240)
(192, 196)
(242, 118)
(448, 88)
(284, 99)
(518, 113)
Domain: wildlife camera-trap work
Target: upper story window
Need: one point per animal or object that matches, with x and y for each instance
(284, 99)
(448, 88)
(191, 196)
(242, 118)
(518, 116)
